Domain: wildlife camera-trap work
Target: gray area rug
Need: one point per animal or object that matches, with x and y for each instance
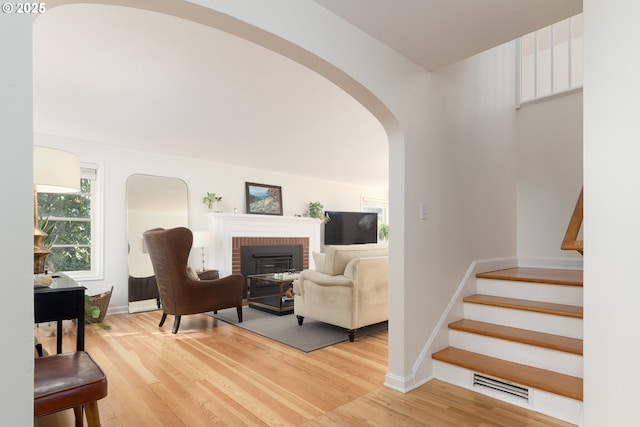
(311, 336)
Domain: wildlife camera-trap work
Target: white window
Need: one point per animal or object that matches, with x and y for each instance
(550, 60)
(378, 205)
(73, 224)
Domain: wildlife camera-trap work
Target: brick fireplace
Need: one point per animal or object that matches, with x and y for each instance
(233, 231)
(238, 242)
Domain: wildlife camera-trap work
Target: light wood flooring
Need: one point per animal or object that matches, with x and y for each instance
(215, 374)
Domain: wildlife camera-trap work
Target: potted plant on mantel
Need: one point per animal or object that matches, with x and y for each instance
(315, 210)
(383, 232)
(211, 199)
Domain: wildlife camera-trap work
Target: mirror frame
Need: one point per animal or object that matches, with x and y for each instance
(152, 201)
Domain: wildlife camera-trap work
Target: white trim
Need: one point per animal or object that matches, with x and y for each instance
(403, 385)
(549, 97)
(226, 226)
(422, 370)
(563, 263)
(518, 72)
(97, 225)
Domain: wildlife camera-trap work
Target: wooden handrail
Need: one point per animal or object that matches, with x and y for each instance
(570, 242)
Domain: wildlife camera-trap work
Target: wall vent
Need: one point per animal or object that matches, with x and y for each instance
(501, 386)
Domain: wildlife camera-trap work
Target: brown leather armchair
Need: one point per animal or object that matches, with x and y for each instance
(179, 294)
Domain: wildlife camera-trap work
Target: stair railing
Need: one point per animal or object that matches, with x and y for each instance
(571, 242)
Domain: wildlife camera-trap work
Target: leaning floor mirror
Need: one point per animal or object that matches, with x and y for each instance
(152, 201)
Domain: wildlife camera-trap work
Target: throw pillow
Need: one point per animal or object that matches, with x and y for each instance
(192, 274)
(318, 260)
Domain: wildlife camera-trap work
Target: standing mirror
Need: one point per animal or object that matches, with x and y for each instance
(152, 201)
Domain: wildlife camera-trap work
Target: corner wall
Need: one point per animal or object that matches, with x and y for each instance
(469, 183)
(611, 206)
(549, 134)
(16, 227)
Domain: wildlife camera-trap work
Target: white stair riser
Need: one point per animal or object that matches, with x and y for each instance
(524, 354)
(560, 407)
(558, 294)
(541, 322)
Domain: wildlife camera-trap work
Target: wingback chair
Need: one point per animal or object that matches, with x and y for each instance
(179, 293)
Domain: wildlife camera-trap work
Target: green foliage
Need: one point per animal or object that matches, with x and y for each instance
(210, 199)
(93, 311)
(49, 228)
(383, 232)
(315, 210)
(66, 218)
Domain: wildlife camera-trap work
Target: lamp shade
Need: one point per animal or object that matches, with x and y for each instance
(55, 171)
(202, 239)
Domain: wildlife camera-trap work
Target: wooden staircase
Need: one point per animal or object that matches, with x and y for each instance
(522, 328)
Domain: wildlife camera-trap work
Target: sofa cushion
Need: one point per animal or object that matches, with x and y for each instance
(338, 256)
(318, 260)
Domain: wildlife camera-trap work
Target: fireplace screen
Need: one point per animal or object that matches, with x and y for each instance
(269, 259)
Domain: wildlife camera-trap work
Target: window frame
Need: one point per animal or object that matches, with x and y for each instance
(374, 204)
(94, 172)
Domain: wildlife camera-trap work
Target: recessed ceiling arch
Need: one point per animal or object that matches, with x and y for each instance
(201, 15)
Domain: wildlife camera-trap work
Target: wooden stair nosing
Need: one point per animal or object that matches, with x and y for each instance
(523, 336)
(536, 275)
(527, 305)
(549, 381)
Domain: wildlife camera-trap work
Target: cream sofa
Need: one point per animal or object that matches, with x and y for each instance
(348, 288)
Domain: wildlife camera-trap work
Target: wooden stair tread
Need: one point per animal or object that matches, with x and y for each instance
(552, 382)
(524, 336)
(537, 275)
(527, 305)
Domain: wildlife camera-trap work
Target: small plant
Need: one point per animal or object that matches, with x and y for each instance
(210, 199)
(383, 232)
(49, 228)
(315, 210)
(93, 311)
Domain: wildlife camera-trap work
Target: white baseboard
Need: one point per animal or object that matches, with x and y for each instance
(401, 384)
(563, 263)
(422, 370)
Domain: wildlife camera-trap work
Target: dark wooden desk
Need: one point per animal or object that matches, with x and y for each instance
(63, 300)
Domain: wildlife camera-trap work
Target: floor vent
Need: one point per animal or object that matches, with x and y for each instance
(501, 386)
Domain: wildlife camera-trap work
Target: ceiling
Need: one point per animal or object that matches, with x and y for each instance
(142, 80)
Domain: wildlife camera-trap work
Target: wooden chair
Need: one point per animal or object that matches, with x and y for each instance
(69, 380)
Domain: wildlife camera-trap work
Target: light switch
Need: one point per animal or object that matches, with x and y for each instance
(423, 211)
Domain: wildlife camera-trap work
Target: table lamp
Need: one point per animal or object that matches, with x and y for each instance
(54, 171)
(202, 239)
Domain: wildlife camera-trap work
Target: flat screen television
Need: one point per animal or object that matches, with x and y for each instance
(348, 228)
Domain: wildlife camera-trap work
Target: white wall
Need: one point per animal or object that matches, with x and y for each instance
(549, 134)
(470, 183)
(16, 227)
(200, 176)
(611, 207)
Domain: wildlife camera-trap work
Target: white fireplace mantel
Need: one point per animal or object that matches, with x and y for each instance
(226, 226)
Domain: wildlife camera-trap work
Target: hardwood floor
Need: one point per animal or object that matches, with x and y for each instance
(214, 374)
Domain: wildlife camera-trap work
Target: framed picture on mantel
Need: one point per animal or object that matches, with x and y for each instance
(263, 199)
